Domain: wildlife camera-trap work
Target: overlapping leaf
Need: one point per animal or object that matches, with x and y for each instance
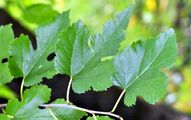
(28, 108)
(32, 64)
(6, 36)
(66, 113)
(85, 58)
(139, 67)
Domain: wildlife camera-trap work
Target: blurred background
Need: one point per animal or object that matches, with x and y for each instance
(149, 18)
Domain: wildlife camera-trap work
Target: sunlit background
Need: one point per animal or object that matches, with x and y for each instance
(149, 18)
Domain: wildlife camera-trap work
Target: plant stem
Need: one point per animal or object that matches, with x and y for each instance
(94, 116)
(82, 109)
(21, 88)
(77, 108)
(118, 100)
(68, 90)
(3, 105)
(50, 111)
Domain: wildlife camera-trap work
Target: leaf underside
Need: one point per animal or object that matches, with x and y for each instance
(139, 67)
(79, 55)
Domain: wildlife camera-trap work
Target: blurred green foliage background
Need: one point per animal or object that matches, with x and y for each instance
(148, 19)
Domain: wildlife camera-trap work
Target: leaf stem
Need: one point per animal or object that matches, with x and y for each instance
(94, 116)
(50, 111)
(77, 108)
(118, 100)
(82, 109)
(3, 105)
(21, 88)
(68, 90)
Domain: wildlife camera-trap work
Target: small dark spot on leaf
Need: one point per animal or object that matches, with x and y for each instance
(4, 60)
(51, 57)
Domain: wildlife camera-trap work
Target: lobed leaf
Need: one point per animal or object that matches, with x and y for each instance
(28, 108)
(138, 67)
(32, 64)
(80, 55)
(6, 37)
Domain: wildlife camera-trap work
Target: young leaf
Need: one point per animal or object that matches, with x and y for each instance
(32, 64)
(6, 36)
(28, 109)
(138, 67)
(100, 118)
(80, 55)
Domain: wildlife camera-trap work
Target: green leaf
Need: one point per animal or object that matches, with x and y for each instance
(39, 13)
(32, 64)
(81, 55)
(4, 117)
(6, 36)
(138, 67)
(6, 92)
(28, 109)
(100, 118)
(64, 113)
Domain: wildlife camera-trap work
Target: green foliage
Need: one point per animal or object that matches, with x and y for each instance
(138, 67)
(81, 53)
(39, 13)
(32, 64)
(6, 92)
(92, 62)
(4, 117)
(66, 113)
(23, 110)
(6, 37)
(27, 109)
